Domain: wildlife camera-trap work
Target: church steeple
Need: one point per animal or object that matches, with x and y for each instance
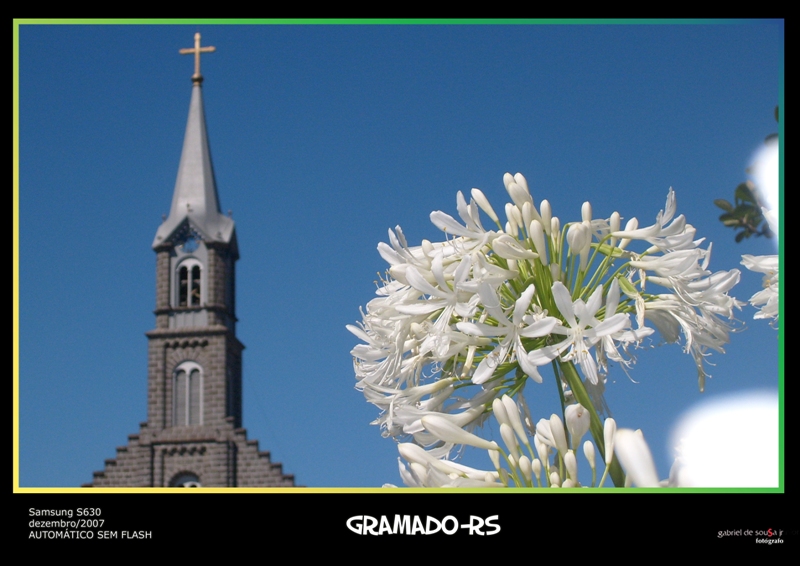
(195, 196)
(193, 433)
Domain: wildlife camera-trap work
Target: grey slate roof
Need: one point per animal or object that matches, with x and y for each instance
(195, 197)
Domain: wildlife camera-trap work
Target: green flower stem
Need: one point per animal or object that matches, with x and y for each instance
(560, 393)
(603, 478)
(575, 383)
(571, 279)
(512, 469)
(606, 264)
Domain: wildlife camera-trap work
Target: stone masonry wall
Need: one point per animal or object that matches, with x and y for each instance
(227, 460)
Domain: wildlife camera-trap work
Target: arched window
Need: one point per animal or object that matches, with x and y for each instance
(188, 395)
(185, 479)
(189, 283)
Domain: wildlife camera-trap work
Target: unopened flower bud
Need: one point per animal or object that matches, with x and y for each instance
(522, 182)
(510, 440)
(588, 451)
(499, 410)
(557, 429)
(586, 212)
(555, 230)
(537, 237)
(547, 215)
(527, 214)
(609, 429)
(518, 195)
(613, 224)
(578, 421)
(508, 178)
(481, 200)
(542, 450)
(507, 246)
(513, 418)
(536, 469)
(443, 429)
(572, 465)
(579, 238)
(525, 468)
(494, 456)
(632, 224)
(413, 453)
(514, 216)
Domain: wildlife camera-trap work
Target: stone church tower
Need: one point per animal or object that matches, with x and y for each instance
(193, 435)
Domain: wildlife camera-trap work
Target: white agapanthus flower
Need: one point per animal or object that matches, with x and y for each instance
(458, 324)
(766, 300)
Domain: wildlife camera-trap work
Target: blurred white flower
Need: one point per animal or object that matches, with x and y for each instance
(766, 174)
(635, 457)
(730, 441)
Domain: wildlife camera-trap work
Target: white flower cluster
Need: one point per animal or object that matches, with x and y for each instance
(459, 323)
(549, 460)
(767, 298)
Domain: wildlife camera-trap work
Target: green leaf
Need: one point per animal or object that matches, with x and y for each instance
(741, 235)
(724, 204)
(744, 193)
(744, 212)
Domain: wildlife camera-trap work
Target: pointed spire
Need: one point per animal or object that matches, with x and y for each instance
(195, 197)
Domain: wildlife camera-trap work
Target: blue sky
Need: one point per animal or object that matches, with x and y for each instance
(323, 137)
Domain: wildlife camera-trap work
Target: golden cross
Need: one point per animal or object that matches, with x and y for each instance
(197, 78)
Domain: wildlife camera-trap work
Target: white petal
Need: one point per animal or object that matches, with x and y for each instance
(539, 328)
(447, 431)
(547, 354)
(483, 202)
(564, 303)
